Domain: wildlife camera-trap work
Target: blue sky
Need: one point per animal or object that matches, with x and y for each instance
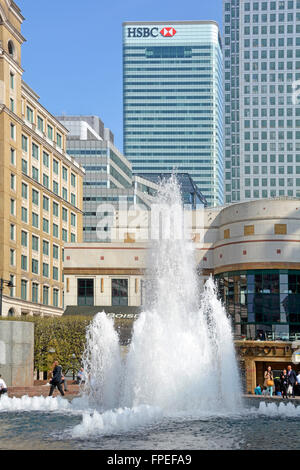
(73, 54)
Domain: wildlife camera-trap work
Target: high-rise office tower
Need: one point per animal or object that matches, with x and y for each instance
(173, 101)
(108, 176)
(262, 119)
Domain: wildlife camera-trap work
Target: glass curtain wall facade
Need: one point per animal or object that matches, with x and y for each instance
(173, 101)
(266, 301)
(262, 120)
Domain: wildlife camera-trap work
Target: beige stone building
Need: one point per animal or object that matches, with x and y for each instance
(251, 248)
(40, 186)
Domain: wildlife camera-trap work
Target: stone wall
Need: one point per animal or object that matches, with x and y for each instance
(16, 353)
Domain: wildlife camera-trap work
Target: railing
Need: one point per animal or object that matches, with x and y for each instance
(270, 337)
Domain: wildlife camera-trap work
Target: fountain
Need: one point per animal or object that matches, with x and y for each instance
(181, 357)
(177, 387)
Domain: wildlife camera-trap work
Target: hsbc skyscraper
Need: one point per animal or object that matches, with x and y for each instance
(173, 101)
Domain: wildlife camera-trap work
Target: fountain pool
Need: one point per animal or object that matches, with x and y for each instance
(177, 388)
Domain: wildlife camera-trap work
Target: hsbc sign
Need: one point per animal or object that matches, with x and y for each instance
(167, 32)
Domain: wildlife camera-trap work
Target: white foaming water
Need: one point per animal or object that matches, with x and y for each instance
(272, 410)
(181, 357)
(116, 421)
(102, 363)
(181, 360)
(26, 403)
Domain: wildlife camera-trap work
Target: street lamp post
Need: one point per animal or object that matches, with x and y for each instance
(2, 283)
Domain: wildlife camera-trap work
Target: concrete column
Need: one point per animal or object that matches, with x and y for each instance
(250, 369)
(16, 353)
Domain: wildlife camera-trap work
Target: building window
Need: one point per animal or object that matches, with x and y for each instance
(85, 291)
(55, 209)
(35, 266)
(59, 140)
(73, 180)
(35, 197)
(73, 238)
(24, 166)
(64, 214)
(12, 80)
(65, 173)
(24, 238)
(35, 292)
(35, 174)
(12, 257)
(12, 232)
(46, 159)
(119, 291)
(12, 105)
(45, 225)
(29, 114)
(45, 248)
(55, 273)
(24, 143)
(12, 207)
(55, 167)
(73, 219)
(45, 295)
(50, 132)
(45, 270)
(46, 203)
(35, 151)
(40, 123)
(55, 251)
(227, 233)
(55, 188)
(65, 194)
(55, 230)
(35, 220)
(12, 289)
(55, 297)
(12, 156)
(24, 262)
(23, 289)
(64, 235)
(45, 181)
(73, 199)
(35, 243)
(12, 181)
(24, 215)
(13, 131)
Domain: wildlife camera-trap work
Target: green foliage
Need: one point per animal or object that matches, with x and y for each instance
(65, 335)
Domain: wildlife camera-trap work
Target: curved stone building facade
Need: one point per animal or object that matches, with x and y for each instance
(255, 256)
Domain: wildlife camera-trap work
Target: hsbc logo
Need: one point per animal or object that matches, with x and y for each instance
(168, 31)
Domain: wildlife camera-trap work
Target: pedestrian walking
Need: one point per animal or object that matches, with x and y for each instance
(3, 387)
(269, 380)
(283, 383)
(56, 379)
(292, 381)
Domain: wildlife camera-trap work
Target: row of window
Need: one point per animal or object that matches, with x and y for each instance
(46, 225)
(35, 267)
(55, 186)
(35, 243)
(46, 201)
(35, 293)
(30, 116)
(46, 160)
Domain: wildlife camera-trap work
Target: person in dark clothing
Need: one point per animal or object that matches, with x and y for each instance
(56, 379)
(292, 381)
(284, 383)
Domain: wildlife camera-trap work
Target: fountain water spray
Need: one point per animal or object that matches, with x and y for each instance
(181, 357)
